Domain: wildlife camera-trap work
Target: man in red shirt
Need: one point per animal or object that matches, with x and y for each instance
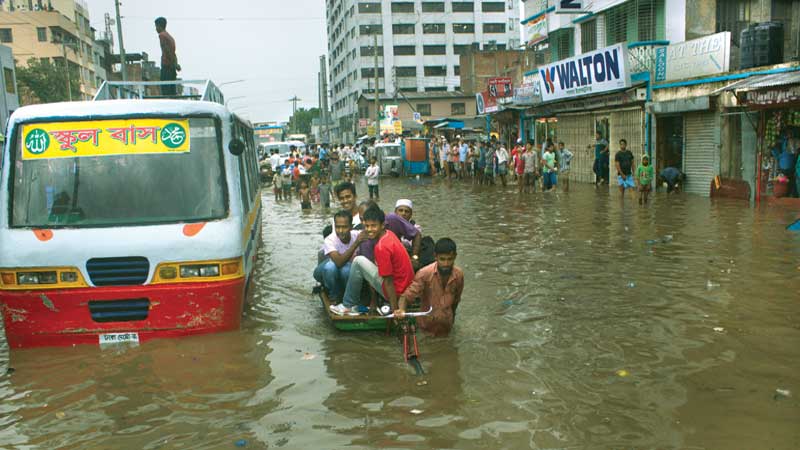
(389, 276)
(169, 60)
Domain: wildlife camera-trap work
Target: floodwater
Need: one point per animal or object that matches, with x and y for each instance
(583, 325)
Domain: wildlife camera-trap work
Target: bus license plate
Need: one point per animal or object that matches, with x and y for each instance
(119, 338)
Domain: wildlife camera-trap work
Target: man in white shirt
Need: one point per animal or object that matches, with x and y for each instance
(275, 160)
(373, 173)
(338, 248)
(502, 163)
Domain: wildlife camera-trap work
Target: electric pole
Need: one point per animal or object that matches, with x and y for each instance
(66, 68)
(377, 84)
(122, 57)
(294, 101)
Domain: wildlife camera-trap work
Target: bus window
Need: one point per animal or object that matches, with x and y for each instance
(119, 189)
(244, 182)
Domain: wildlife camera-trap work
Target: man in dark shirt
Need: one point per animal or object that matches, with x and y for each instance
(624, 163)
(169, 60)
(672, 177)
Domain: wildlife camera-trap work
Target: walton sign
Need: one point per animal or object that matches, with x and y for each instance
(590, 73)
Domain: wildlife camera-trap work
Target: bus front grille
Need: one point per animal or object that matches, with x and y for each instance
(124, 271)
(119, 310)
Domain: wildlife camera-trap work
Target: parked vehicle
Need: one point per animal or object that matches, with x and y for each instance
(390, 158)
(127, 220)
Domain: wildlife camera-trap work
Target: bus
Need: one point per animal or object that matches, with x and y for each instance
(126, 220)
(297, 137)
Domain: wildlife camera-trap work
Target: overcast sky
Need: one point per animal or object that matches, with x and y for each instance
(272, 44)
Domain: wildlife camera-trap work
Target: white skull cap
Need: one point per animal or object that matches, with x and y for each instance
(404, 202)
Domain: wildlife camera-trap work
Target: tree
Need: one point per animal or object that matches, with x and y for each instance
(43, 81)
(300, 122)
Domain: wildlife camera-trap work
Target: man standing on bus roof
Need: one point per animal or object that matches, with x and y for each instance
(169, 60)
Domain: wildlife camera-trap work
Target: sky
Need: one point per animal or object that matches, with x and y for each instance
(274, 45)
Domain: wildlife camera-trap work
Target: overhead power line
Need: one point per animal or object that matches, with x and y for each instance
(232, 19)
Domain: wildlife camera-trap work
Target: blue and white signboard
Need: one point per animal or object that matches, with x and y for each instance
(590, 73)
(572, 6)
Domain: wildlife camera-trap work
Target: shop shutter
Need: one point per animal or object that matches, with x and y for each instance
(577, 132)
(628, 125)
(701, 151)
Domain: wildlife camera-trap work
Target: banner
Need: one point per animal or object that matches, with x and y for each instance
(104, 138)
(707, 55)
(590, 73)
(485, 103)
(537, 30)
(500, 87)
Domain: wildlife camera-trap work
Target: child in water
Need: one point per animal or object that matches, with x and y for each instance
(325, 191)
(644, 177)
(277, 186)
(305, 195)
(315, 189)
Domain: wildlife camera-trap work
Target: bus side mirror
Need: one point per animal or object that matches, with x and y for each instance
(236, 147)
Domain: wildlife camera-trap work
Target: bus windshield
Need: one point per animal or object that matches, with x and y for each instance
(87, 177)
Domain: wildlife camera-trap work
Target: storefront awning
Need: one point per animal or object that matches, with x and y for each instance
(763, 82)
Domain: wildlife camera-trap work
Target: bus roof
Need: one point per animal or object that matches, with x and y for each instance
(116, 108)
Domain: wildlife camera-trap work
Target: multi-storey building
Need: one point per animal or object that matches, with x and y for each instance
(418, 47)
(55, 29)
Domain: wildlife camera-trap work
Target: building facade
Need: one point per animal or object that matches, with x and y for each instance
(418, 47)
(9, 100)
(54, 29)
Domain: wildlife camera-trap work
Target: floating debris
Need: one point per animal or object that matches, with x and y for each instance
(308, 356)
(60, 415)
(719, 329)
(623, 373)
(416, 411)
(782, 393)
(422, 383)
(241, 443)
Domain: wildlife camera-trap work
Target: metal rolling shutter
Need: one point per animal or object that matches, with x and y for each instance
(701, 151)
(577, 132)
(628, 125)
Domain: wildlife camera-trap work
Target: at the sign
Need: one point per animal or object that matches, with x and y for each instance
(572, 6)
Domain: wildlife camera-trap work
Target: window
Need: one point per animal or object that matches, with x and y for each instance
(458, 109)
(733, 16)
(493, 7)
(41, 33)
(561, 44)
(461, 49)
(494, 28)
(369, 8)
(5, 35)
(369, 50)
(402, 7)
(424, 109)
(432, 6)
(463, 6)
(365, 30)
(409, 71)
(408, 89)
(456, 70)
(435, 71)
(401, 50)
(461, 28)
(403, 28)
(634, 21)
(9, 76)
(370, 72)
(433, 28)
(588, 36)
(124, 189)
(434, 50)
(436, 89)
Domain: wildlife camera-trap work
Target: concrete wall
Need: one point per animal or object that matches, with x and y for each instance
(440, 107)
(478, 67)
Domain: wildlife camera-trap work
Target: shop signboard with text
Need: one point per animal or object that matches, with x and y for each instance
(500, 87)
(595, 72)
(707, 55)
(486, 103)
(536, 22)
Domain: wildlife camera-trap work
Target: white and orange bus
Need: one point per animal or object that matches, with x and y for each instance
(126, 220)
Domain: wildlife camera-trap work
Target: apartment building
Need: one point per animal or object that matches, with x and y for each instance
(418, 47)
(55, 29)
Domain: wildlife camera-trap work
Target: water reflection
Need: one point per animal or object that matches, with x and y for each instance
(584, 323)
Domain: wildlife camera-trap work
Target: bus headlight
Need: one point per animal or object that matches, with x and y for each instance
(48, 277)
(168, 272)
(200, 270)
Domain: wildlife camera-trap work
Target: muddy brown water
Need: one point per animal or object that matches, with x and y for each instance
(577, 330)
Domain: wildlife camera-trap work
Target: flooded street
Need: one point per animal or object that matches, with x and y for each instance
(583, 325)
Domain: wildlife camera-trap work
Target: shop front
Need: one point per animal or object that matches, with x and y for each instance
(775, 100)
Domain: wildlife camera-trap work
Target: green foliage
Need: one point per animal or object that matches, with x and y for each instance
(46, 82)
(300, 122)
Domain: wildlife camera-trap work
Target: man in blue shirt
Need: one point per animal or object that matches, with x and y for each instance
(786, 165)
(463, 149)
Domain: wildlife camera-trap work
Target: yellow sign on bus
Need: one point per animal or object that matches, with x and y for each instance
(104, 137)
